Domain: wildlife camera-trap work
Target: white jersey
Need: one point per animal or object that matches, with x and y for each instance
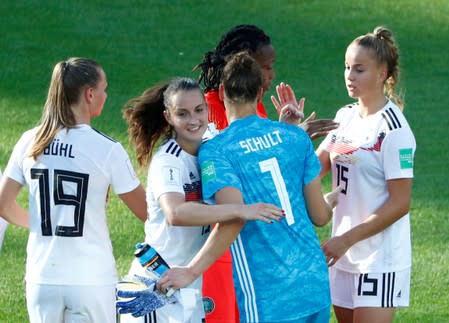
(173, 170)
(68, 184)
(365, 153)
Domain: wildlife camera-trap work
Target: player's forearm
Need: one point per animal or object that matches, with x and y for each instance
(218, 242)
(15, 214)
(197, 214)
(10, 210)
(382, 218)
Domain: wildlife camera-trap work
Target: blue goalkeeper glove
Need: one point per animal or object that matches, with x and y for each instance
(142, 301)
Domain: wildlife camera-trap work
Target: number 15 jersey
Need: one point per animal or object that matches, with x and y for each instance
(365, 153)
(68, 184)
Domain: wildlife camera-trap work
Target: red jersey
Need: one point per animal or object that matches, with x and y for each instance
(217, 111)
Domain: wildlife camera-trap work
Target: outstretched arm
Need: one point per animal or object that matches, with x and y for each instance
(181, 213)
(218, 242)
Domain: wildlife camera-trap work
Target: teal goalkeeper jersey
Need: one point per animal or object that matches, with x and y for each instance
(280, 273)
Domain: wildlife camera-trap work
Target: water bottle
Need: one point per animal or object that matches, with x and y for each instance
(151, 260)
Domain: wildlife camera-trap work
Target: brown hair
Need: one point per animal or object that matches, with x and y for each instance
(144, 114)
(242, 78)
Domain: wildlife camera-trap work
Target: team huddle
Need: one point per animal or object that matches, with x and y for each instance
(232, 198)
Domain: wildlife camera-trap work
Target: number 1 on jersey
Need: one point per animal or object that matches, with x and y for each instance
(271, 165)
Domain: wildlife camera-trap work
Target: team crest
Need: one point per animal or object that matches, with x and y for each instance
(209, 305)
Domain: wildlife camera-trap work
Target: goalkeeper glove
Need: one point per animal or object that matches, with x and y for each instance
(142, 301)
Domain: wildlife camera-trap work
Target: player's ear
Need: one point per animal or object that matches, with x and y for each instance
(167, 117)
(383, 73)
(88, 94)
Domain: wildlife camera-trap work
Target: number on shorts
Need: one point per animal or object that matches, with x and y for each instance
(60, 197)
(367, 286)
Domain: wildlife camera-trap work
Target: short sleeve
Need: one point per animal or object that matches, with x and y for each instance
(14, 168)
(165, 175)
(123, 176)
(398, 152)
(216, 171)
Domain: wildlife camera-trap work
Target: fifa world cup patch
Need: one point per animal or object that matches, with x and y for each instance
(207, 171)
(406, 158)
(171, 175)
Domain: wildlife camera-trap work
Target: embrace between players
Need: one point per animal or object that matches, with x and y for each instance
(263, 203)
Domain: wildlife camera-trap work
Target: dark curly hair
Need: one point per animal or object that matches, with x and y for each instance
(240, 38)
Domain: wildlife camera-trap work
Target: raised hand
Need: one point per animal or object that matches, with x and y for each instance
(289, 109)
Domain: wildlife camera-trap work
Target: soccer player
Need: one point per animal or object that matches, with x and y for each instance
(68, 168)
(218, 289)
(280, 272)
(371, 154)
(170, 119)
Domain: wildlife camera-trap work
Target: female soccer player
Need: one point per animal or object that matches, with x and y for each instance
(280, 272)
(218, 289)
(170, 119)
(68, 167)
(371, 154)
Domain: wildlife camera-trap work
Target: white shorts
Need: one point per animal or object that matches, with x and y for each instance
(352, 290)
(68, 303)
(170, 313)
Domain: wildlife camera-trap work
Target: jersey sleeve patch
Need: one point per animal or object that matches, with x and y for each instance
(171, 175)
(208, 171)
(406, 158)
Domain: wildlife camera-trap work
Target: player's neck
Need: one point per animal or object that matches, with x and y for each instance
(82, 115)
(371, 105)
(239, 111)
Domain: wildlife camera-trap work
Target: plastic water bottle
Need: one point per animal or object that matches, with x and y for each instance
(155, 266)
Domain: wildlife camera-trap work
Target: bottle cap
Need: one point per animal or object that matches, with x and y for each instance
(141, 248)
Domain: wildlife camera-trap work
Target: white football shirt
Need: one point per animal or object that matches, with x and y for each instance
(365, 153)
(173, 170)
(69, 241)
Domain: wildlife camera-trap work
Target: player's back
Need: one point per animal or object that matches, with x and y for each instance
(279, 263)
(68, 187)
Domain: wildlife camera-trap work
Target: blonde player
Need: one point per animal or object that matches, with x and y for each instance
(68, 167)
(174, 114)
(371, 154)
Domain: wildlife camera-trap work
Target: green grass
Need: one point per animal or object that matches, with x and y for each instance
(141, 42)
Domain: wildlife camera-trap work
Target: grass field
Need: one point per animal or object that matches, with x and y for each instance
(141, 42)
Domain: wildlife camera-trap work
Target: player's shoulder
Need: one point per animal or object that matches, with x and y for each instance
(169, 149)
(347, 109)
(393, 117)
(102, 136)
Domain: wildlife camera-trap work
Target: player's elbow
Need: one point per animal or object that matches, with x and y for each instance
(322, 216)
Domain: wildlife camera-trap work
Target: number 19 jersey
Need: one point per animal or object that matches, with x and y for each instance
(68, 184)
(280, 272)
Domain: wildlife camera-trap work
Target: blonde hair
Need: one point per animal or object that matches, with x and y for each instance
(385, 50)
(68, 80)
